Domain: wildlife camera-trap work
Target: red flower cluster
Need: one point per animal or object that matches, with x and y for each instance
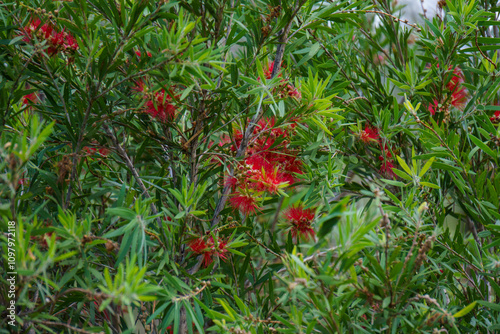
(301, 220)
(496, 117)
(285, 89)
(269, 165)
(387, 162)
(160, 107)
(57, 41)
(458, 92)
(369, 134)
(158, 104)
(92, 150)
(139, 54)
(209, 249)
(30, 98)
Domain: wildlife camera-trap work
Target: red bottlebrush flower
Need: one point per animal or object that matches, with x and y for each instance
(386, 167)
(245, 203)
(89, 150)
(70, 43)
(56, 43)
(268, 179)
(92, 151)
(387, 162)
(30, 98)
(231, 182)
(294, 92)
(139, 54)
(301, 220)
(433, 107)
(139, 86)
(209, 250)
(218, 250)
(458, 96)
(44, 32)
(496, 117)
(30, 29)
(161, 108)
(458, 92)
(369, 134)
(269, 71)
(103, 151)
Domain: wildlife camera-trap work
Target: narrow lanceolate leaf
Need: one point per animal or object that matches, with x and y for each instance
(403, 164)
(483, 146)
(465, 310)
(426, 167)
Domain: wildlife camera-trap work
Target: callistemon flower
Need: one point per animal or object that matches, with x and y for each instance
(139, 54)
(369, 134)
(433, 107)
(244, 202)
(92, 151)
(70, 43)
(209, 250)
(293, 92)
(269, 70)
(386, 167)
(301, 220)
(269, 179)
(43, 33)
(458, 96)
(495, 119)
(30, 98)
(160, 107)
(458, 92)
(57, 41)
(387, 162)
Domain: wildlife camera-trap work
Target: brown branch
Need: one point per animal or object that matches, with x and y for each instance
(130, 165)
(484, 55)
(61, 324)
(251, 126)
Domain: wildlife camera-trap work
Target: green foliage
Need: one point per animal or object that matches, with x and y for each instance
(128, 130)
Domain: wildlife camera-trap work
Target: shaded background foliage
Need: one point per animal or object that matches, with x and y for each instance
(123, 124)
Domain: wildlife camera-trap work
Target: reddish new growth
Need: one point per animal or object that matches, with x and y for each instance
(61, 41)
(301, 220)
(495, 119)
(458, 92)
(369, 134)
(269, 165)
(209, 249)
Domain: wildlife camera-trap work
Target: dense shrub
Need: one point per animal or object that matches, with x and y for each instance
(249, 167)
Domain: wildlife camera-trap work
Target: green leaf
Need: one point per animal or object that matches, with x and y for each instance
(430, 185)
(483, 146)
(465, 310)
(327, 223)
(426, 167)
(403, 164)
